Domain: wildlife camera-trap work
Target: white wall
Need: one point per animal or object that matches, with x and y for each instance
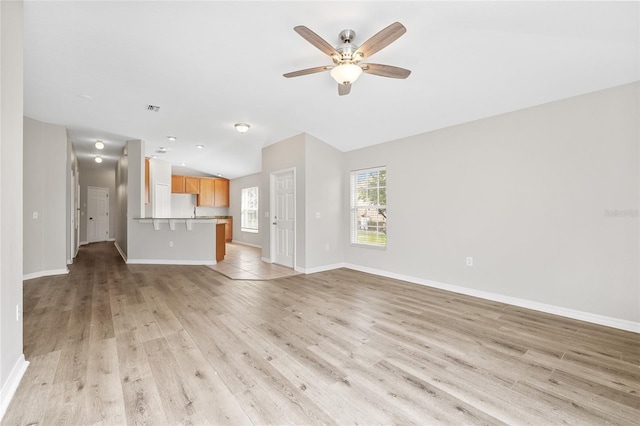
(12, 363)
(72, 195)
(235, 206)
(283, 155)
(122, 181)
(324, 189)
(159, 174)
(45, 195)
(103, 177)
(526, 194)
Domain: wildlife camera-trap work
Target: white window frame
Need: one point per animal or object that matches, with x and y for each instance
(362, 233)
(248, 206)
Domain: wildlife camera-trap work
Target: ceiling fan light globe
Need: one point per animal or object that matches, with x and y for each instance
(346, 73)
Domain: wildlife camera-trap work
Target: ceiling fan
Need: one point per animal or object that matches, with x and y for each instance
(347, 57)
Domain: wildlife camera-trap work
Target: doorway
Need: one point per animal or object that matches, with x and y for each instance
(98, 214)
(283, 217)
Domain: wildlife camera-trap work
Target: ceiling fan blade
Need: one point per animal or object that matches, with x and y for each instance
(381, 40)
(316, 40)
(344, 89)
(307, 71)
(385, 70)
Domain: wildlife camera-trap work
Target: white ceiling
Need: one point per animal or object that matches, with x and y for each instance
(211, 64)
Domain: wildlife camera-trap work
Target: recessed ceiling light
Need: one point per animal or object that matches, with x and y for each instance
(219, 174)
(183, 164)
(242, 127)
(154, 156)
(200, 146)
(99, 145)
(98, 159)
(83, 96)
(171, 138)
(161, 150)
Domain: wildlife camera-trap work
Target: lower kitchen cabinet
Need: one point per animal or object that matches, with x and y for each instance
(228, 228)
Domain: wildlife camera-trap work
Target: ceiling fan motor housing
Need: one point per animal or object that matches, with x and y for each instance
(347, 48)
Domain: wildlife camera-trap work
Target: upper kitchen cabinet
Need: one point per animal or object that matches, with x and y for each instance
(185, 184)
(222, 192)
(214, 192)
(206, 196)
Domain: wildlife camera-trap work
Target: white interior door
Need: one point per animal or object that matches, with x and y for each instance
(98, 214)
(283, 217)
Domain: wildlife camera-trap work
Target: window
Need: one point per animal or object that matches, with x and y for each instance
(249, 212)
(369, 207)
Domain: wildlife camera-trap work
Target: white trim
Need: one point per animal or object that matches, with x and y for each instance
(11, 384)
(523, 303)
(83, 243)
(45, 273)
(266, 259)
(124, 256)
(169, 262)
(322, 268)
(111, 239)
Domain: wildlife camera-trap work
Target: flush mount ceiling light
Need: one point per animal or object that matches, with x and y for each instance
(98, 159)
(154, 156)
(99, 145)
(219, 174)
(171, 138)
(183, 164)
(242, 127)
(199, 146)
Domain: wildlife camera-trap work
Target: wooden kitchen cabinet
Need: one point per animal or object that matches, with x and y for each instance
(177, 184)
(222, 192)
(206, 196)
(221, 247)
(185, 184)
(191, 185)
(228, 228)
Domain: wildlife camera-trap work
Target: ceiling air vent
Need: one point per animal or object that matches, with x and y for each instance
(153, 108)
(161, 150)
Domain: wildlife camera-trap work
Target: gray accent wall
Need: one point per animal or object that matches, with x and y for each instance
(324, 204)
(102, 178)
(544, 199)
(11, 145)
(45, 195)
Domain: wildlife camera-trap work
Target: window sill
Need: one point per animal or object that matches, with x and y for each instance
(369, 246)
(250, 231)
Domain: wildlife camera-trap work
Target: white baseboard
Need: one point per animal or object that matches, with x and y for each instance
(169, 262)
(523, 303)
(84, 243)
(111, 239)
(266, 259)
(242, 243)
(124, 256)
(11, 384)
(45, 273)
(322, 268)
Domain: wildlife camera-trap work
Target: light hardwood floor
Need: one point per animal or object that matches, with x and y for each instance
(243, 262)
(141, 344)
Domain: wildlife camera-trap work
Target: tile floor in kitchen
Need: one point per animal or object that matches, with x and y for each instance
(243, 262)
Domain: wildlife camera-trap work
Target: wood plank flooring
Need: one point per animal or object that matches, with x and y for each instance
(167, 345)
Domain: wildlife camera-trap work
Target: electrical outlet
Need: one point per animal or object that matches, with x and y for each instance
(469, 261)
(170, 243)
(35, 215)
(327, 247)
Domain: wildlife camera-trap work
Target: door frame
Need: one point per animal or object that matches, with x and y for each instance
(108, 213)
(272, 211)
